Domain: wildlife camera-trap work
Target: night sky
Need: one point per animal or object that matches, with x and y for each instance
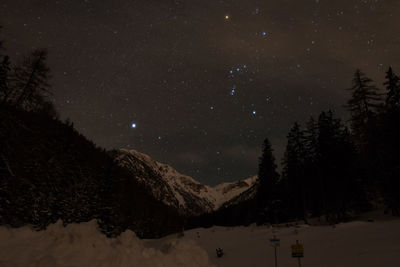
(200, 84)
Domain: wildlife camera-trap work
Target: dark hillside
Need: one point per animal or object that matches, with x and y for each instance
(48, 171)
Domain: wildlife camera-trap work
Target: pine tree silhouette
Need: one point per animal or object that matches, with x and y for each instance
(4, 73)
(1, 44)
(312, 186)
(393, 89)
(5, 90)
(31, 79)
(294, 171)
(363, 104)
(268, 180)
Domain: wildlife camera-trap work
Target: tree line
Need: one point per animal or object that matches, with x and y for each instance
(333, 168)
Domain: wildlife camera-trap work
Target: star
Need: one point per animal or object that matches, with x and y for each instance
(133, 125)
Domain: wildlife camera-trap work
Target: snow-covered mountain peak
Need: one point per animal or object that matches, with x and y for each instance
(227, 191)
(178, 190)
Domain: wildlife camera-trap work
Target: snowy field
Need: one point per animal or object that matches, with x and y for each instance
(355, 244)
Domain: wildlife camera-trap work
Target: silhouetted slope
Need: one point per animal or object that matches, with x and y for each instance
(49, 171)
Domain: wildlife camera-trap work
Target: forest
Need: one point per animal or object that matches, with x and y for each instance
(337, 168)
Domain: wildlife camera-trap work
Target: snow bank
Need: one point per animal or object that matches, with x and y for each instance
(83, 245)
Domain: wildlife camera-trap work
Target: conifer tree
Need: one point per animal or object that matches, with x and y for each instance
(311, 136)
(267, 174)
(312, 186)
(386, 138)
(337, 163)
(4, 73)
(31, 81)
(363, 104)
(1, 44)
(295, 149)
(5, 89)
(294, 171)
(268, 179)
(393, 89)
(327, 137)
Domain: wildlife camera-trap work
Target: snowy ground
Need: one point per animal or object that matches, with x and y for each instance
(355, 244)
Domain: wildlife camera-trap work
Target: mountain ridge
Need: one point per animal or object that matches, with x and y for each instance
(180, 191)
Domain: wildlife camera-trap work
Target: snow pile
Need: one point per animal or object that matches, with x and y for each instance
(83, 245)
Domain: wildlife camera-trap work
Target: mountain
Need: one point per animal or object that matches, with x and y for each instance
(180, 191)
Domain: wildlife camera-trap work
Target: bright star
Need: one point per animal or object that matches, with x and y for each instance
(264, 33)
(226, 16)
(254, 112)
(133, 125)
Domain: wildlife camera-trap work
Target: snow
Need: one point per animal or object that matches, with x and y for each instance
(213, 197)
(227, 191)
(84, 246)
(354, 244)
